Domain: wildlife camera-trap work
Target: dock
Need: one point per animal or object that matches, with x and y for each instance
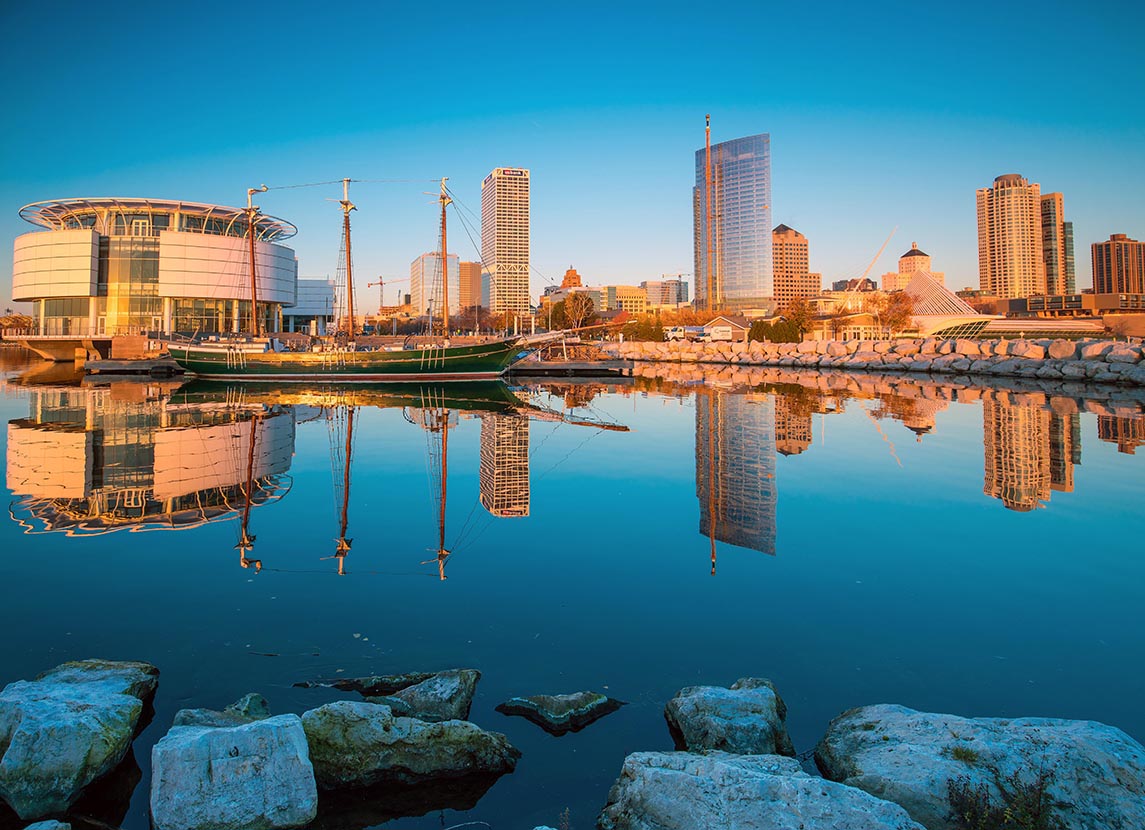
(152, 367)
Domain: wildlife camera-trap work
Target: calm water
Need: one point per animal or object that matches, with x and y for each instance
(948, 548)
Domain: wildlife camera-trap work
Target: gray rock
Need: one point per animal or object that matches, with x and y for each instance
(375, 684)
(561, 714)
(362, 744)
(66, 729)
(749, 718)
(256, 776)
(1097, 772)
(718, 791)
(1062, 350)
(50, 824)
(250, 707)
(446, 695)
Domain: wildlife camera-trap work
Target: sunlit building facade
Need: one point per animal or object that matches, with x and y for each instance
(740, 210)
(1127, 432)
(913, 261)
(469, 275)
(1016, 438)
(504, 475)
(426, 294)
(1119, 266)
(114, 266)
(735, 468)
(505, 238)
(1010, 257)
(790, 254)
(1057, 246)
(792, 426)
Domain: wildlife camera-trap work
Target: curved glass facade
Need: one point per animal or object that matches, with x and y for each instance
(741, 224)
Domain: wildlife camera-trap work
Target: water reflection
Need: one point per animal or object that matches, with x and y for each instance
(131, 456)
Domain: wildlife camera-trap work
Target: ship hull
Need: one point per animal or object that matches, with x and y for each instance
(485, 361)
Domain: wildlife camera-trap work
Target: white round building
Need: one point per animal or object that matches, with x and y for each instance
(110, 266)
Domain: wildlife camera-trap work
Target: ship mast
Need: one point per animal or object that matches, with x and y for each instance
(445, 200)
(343, 544)
(348, 206)
(246, 539)
(251, 216)
(442, 553)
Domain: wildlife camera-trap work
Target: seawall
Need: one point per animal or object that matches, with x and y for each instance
(1087, 361)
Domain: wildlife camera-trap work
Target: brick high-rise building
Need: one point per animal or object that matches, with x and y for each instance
(791, 266)
(1010, 261)
(469, 274)
(505, 237)
(1119, 266)
(1057, 246)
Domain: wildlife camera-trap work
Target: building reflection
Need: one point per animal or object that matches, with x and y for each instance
(95, 460)
(1030, 450)
(735, 469)
(1065, 450)
(1127, 432)
(504, 475)
(792, 426)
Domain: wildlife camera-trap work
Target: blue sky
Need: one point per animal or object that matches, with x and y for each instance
(880, 115)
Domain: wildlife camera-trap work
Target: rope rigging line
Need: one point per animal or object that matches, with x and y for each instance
(355, 181)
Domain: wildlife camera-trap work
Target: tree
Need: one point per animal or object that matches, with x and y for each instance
(782, 331)
(799, 312)
(892, 312)
(578, 309)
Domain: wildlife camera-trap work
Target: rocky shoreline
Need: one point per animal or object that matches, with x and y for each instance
(883, 767)
(1088, 361)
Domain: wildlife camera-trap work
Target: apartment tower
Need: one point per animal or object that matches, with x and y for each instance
(1119, 266)
(469, 274)
(1010, 261)
(505, 238)
(790, 266)
(739, 207)
(1057, 246)
(504, 475)
(426, 295)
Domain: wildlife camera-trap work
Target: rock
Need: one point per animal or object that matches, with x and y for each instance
(749, 718)
(1122, 354)
(718, 791)
(51, 824)
(446, 695)
(1095, 351)
(69, 727)
(1062, 350)
(256, 776)
(248, 708)
(381, 684)
(1097, 772)
(362, 744)
(561, 714)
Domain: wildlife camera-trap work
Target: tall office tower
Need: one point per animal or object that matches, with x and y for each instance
(1127, 432)
(911, 263)
(1119, 266)
(504, 477)
(425, 284)
(1017, 444)
(739, 205)
(735, 468)
(1065, 450)
(1010, 262)
(505, 237)
(792, 426)
(790, 262)
(1057, 246)
(469, 274)
(669, 291)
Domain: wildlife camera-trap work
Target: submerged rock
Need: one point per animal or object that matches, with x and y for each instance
(1096, 772)
(561, 714)
(375, 684)
(248, 708)
(749, 718)
(446, 695)
(719, 791)
(50, 824)
(256, 776)
(363, 744)
(66, 729)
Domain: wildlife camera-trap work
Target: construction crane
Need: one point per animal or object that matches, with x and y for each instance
(381, 283)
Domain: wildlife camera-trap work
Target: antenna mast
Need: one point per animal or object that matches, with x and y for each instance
(348, 206)
(445, 200)
(251, 215)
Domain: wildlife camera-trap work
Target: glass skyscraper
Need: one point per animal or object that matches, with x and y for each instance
(741, 224)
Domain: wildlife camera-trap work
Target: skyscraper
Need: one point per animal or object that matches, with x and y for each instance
(1057, 246)
(735, 468)
(739, 205)
(425, 284)
(1119, 266)
(505, 238)
(469, 275)
(1010, 262)
(504, 477)
(790, 256)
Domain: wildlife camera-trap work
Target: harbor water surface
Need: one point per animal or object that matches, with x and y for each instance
(978, 554)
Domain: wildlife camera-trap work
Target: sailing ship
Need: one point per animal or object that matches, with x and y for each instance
(260, 358)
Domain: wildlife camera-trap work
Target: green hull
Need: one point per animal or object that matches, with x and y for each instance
(485, 361)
